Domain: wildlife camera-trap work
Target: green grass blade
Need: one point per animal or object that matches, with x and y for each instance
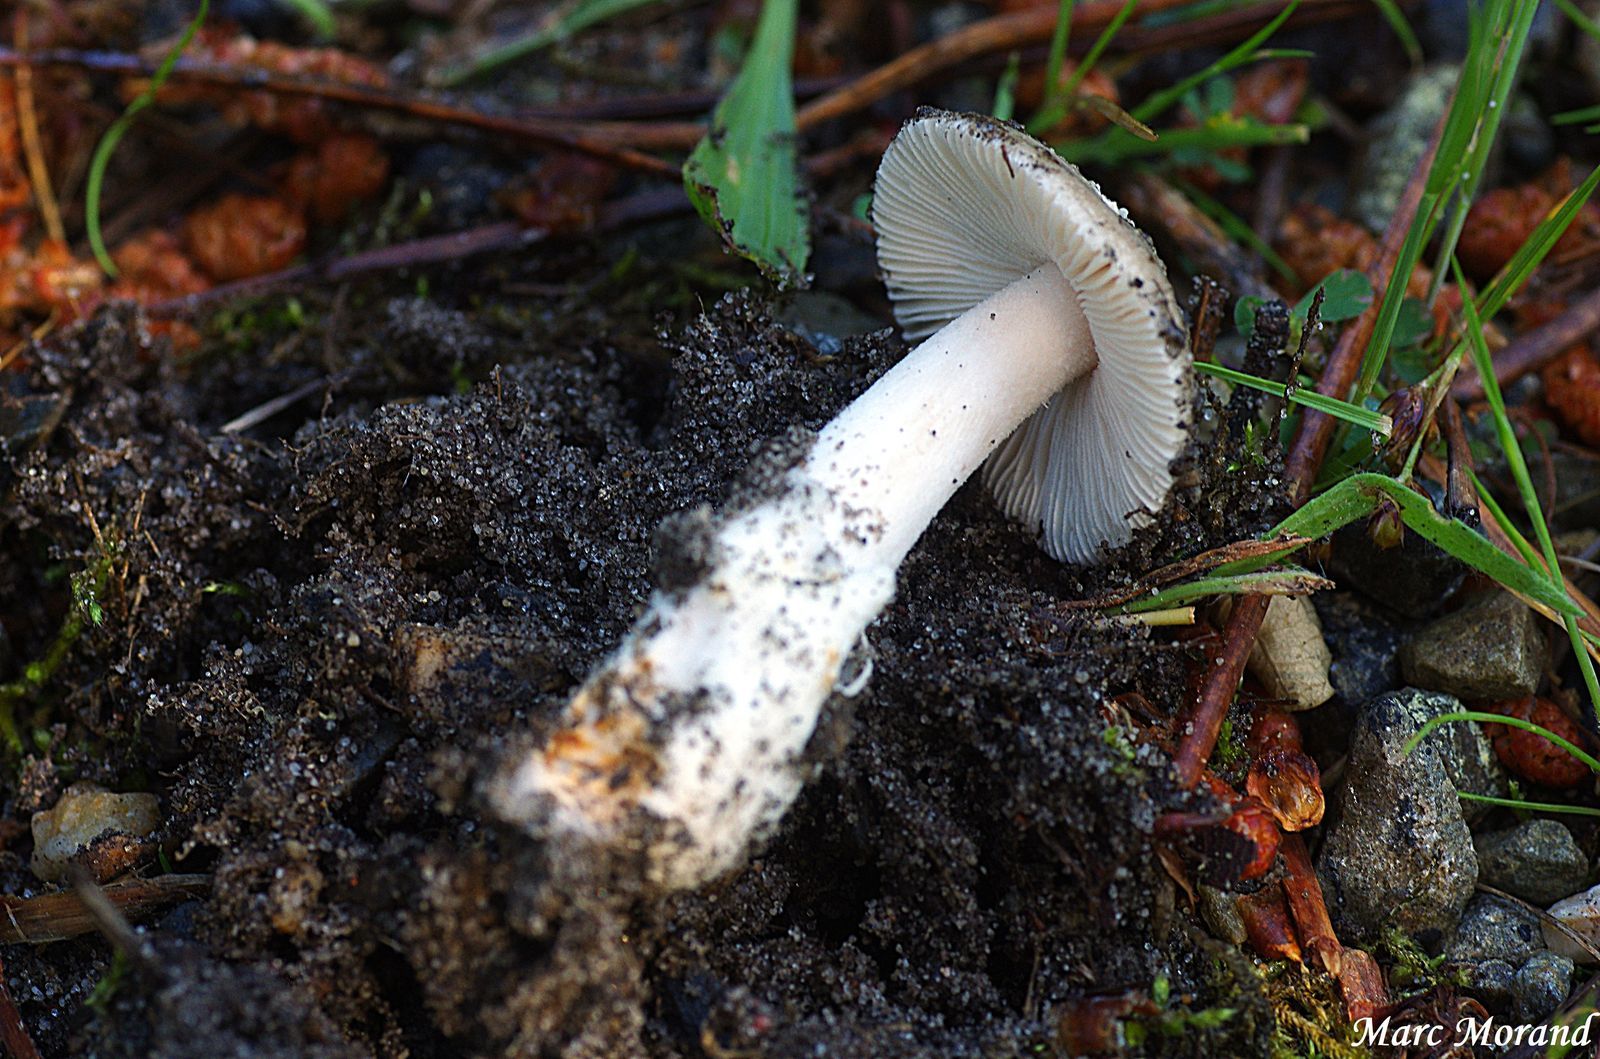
(1292, 582)
(1059, 100)
(1397, 22)
(1119, 146)
(1349, 413)
(1497, 35)
(1535, 248)
(1005, 89)
(1531, 807)
(1503, 83)
(1244, 53)
(316, 12)
(1498, 718)
(1579, 19)
(1519, 471)
(1576, 117)
(1357, 497)
(579, 16)
(742, 176)
(95, 182)
(1060, 36)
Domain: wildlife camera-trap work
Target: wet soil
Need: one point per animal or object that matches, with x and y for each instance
(319, 636)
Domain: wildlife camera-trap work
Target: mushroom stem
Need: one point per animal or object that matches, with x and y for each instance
(908, 443)
(689, 742)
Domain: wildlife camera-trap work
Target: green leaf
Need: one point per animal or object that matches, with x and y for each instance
(1346, 294)
(578, 16)
(742, 176)
(1357, 496)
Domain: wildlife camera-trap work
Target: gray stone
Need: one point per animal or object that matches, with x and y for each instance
(1537, 860)
(1494, 983)
(1365, 645)
(1468, 756)
(1542, 985)
(1412, 580)
(824, 319)
(1399, 137)
(1399, 855)
(1493, 928)
(1490, 649)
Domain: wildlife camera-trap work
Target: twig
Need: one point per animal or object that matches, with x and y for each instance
(58, 916)
(267, 409)
(623, 143)
(1306, 905)
(998, 34)
(1532, 350)
(1305, 457)
(502, 235)
(28, 124)
(1034, 26)
(1163, 207)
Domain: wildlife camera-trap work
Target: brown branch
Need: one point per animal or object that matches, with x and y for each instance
(621, 142)
(58, 916)
(1001, 33)
(1532, 350)
(1300, 470)
(502, 235)
(1163, 208)
(1034, 26)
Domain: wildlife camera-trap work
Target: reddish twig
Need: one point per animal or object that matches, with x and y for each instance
(1306, 905)
(502, 235)
(1034, 26)
(1534, 349)
(1199, 732)
(1163, 208)
(1001, 33)
(622, 142)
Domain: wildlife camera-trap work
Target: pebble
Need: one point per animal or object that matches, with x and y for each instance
(1537, 860)
(1493, 928)
(1491, 649)
(1365, 645)
(1494, 983)
(1469, 758)
(1411, 581)
(1542, 985)
(1400, 854)
(84, 813)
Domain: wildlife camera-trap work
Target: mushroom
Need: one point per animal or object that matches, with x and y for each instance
(1043, 308)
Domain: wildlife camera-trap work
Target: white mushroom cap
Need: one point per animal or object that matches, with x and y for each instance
(965, 205)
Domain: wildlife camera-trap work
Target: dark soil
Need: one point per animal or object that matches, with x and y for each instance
(320, 636)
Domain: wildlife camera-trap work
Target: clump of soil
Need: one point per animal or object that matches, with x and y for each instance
(316, 648)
